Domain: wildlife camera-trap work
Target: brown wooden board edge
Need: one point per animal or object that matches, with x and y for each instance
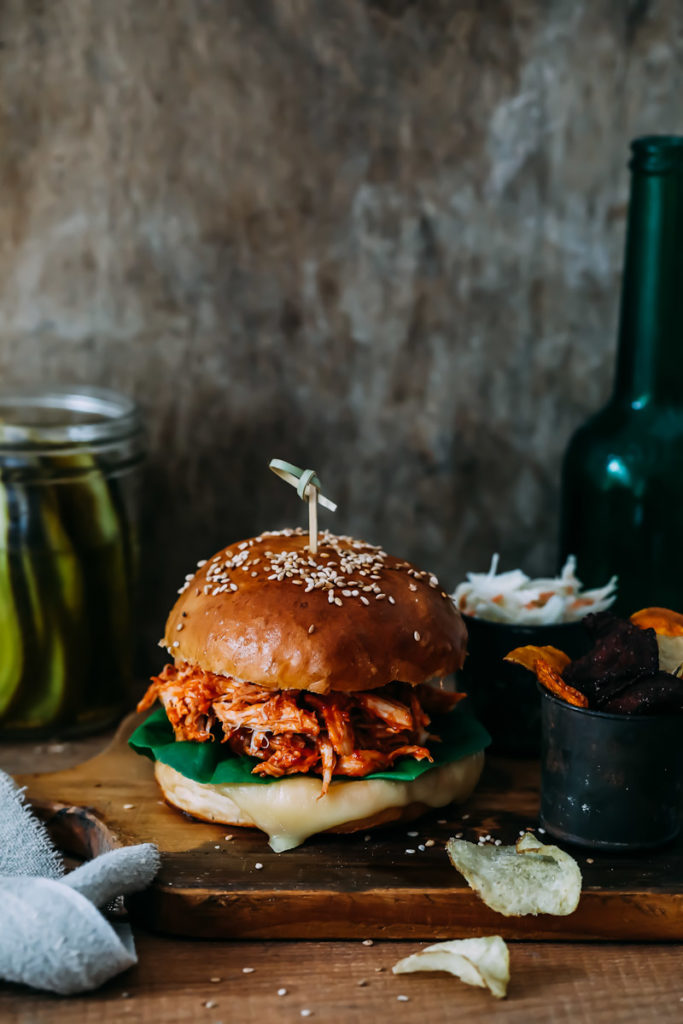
(392, 915)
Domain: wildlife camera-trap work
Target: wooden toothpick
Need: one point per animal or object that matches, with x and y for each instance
(308, 488)
(313, 519)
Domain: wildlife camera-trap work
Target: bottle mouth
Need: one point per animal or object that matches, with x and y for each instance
(657, 154)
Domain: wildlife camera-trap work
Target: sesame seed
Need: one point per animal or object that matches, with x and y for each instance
(422, 847)
(362, 983)
(201, 562)
(210, 1004)
(411, 586)
(338, 601)
(412, 834)
(176, 643)
(179, 627)
(458, 835)
(258, 865)
(248, 970)
(307, 1013)
(403, 999)
(430, 842)
(391, 600)
(364, 600)
(368, 942)
(282, 991)
(417, 636)
(542, 831)
(128, 807)
(254, 574)
(215, 980)
(311, 629)
(233, 586)
(380, 597)
(589, 860)
(227, 838)
(410, 851)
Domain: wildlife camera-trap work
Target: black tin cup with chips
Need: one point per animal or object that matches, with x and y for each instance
(612, 731)
(610, 781)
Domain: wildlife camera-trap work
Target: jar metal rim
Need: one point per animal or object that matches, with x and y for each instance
(91, 416)
(595, 713)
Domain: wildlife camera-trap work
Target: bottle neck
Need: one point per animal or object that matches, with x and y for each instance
(650, 354)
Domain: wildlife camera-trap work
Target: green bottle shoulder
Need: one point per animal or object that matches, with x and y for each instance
(648, 435)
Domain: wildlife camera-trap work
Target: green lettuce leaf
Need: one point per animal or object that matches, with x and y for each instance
(210, 762)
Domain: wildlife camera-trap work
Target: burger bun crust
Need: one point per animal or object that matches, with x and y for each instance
(349, 618)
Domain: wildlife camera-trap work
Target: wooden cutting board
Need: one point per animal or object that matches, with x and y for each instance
(343, 887)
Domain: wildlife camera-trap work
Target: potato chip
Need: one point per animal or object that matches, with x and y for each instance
(670, 654)
(662, 620)
(484, 962)
(529, 655)
(553, 681)
(527, 878)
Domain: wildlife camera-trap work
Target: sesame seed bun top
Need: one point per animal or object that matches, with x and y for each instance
(351, 617)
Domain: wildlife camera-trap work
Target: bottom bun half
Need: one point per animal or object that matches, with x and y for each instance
(291, 809)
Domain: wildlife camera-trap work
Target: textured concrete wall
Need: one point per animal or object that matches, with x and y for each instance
(379, 237)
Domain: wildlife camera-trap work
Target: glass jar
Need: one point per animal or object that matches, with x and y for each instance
(69, 477)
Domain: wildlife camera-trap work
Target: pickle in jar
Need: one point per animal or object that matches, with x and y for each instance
(11, 639)
(49, 593)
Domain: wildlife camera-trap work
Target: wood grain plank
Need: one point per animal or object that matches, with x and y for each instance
(556, 983)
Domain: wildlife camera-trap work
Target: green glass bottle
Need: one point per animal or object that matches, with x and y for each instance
(622, 481)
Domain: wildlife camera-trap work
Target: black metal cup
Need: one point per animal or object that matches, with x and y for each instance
(611, 782)
(504, 696)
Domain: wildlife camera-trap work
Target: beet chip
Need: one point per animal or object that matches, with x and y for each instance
(622, 654)
(650, 695)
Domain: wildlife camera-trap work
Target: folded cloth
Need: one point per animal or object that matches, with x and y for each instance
(52, 935)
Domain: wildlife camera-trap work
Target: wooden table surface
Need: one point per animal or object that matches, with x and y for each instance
(183, 980)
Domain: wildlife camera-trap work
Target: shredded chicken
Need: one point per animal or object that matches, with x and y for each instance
(294, 731)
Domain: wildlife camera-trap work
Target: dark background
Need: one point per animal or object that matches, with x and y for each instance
(382, 239)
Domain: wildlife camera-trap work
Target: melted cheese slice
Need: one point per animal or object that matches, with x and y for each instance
(290, 810)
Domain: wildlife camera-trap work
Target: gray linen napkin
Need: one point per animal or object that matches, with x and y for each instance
(52, 936)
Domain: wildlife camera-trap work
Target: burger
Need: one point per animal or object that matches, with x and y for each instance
(306, 692)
